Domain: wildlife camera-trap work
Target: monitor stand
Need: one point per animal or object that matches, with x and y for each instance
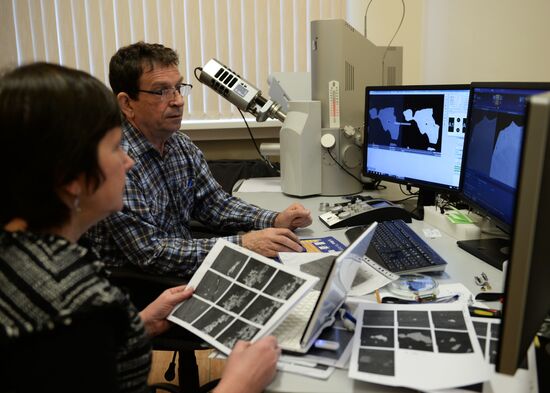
(426, 197)
(493, 251)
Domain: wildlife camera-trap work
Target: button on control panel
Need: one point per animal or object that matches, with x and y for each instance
(361, 210)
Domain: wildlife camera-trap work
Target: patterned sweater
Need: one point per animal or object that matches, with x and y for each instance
(50, 289)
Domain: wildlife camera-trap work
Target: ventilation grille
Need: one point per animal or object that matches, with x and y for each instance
(391, 78)
(223, 78)
(350, 77)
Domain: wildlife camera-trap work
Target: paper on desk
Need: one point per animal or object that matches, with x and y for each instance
(319, 371)
(299, 258)
(339, 358)
(525, 379)
(370, 275)
(426, 346)
(261, 184)
(322, 244)
(239, 295)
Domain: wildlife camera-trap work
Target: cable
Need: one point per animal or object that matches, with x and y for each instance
(405, 199)
(340, 165)
(195, 72)
(365, 24)
(264, 158)
(408, 191)
(388, 47)
(379, 186)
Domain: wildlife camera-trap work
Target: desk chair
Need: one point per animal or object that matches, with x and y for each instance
(143, 288)
(64, 359)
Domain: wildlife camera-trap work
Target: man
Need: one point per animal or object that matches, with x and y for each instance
(171, 183)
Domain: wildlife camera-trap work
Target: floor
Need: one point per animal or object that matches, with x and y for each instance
(209, 369)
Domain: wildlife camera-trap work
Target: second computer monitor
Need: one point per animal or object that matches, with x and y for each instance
(492, 156)
(415, 135)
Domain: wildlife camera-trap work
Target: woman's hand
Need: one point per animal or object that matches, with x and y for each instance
(154, 315)
(250, 367)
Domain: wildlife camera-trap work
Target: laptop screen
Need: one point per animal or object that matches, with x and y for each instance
(337, 285)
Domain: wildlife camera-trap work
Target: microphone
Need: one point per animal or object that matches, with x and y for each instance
(238, 91)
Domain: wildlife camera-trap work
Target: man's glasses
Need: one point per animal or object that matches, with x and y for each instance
(169, 93)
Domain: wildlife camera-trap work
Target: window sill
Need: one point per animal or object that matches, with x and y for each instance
(223, 124)
(229, 129)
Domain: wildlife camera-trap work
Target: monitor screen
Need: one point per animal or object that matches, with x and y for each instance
(493, 147)
(527, 293)
(415, 134)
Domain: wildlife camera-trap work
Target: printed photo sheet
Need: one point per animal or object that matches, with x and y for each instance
(525, 379)
(425, 347)
(239, 295)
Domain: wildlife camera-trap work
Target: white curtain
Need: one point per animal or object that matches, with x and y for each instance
(252, 37)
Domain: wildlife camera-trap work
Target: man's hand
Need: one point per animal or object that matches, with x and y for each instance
(269, 242)
(294, 216)
(154, 315)
(250, 367)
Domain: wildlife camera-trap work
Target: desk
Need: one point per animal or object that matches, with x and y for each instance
(461, 268)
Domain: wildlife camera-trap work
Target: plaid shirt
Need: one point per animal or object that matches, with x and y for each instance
(162, 195)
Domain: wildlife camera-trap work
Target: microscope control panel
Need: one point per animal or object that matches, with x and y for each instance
(361, 210)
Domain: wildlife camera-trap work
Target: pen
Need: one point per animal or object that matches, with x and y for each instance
(443, 299)
(484, 312)
(377, 294)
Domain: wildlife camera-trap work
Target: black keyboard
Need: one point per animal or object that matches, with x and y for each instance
(399, 249)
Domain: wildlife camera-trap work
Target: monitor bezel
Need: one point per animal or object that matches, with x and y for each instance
(419, 183)
(525, 304)
(543, 86)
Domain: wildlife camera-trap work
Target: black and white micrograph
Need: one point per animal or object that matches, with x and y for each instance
(378, 318)
(191, 309)
(229, 262)
(453, 342)
(239, 330)
(236, 299)
(261, 310)
(213, 321)
(413, 318)
(376, 361)
(377, 337)
(415, 339)
(212, 286)
(256, 274)
(480, 328)
(449, 320)
(495, 330)
(283, 285)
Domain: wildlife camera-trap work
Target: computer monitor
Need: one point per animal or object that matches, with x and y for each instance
(414, 135)
(492, 152)
(527, 288)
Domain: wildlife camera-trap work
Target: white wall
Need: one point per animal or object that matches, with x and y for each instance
(460, 41)
(382, 21)
(472, 40)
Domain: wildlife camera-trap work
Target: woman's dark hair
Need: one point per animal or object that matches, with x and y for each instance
(129, 63)
(51, 121)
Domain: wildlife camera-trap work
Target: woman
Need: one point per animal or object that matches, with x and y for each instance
(64, 327)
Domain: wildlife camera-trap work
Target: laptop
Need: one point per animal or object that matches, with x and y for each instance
(303, 325)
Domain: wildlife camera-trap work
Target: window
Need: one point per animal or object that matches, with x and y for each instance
(252, 37)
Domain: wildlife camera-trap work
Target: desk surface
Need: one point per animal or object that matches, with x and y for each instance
(461, 268)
